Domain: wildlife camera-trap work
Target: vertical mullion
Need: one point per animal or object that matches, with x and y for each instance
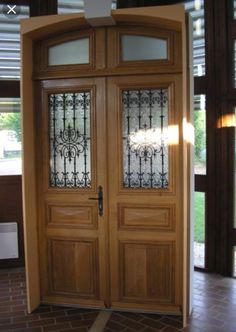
(208, 87)
(220, 92)
(231, 103)
(128, 133)
(54, 140)
(150, 126)
(85, 136)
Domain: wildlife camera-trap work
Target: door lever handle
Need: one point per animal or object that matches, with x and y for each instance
(100, 200)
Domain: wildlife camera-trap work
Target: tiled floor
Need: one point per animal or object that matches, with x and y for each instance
(214, 310)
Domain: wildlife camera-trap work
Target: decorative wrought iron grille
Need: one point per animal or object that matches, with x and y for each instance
(70, 150)
(145, 150)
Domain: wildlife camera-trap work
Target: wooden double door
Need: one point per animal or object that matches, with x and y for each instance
(110, 187)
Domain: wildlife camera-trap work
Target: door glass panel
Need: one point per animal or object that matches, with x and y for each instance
(69, 53)
(145, 150)
(70, 145)
(199, 229)
(200, 134)
(135, 48)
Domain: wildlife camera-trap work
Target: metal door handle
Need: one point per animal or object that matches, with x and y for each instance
(100, 200)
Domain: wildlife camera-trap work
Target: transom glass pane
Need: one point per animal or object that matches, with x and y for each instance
(70, 144)
(145, 150)
(69, 53)
(135, 48)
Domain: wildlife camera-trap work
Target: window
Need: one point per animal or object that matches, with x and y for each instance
(10, 116)
(234, 8)
(73, 6)
(234, 261)
(200, 134)
(10, 136)
(234, 65)
(10, 45)
(196, 9)
(199, 229)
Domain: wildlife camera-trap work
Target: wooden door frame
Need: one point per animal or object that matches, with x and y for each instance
(38, 28)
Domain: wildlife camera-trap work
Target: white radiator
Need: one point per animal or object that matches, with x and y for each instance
(8, 240)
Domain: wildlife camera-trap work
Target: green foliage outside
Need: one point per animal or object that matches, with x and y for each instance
(199, 211)
(200, 136)
(200, 160)
(11, 121)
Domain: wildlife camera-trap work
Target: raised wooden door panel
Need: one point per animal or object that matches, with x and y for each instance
(159, 217)
(72, 231)
(79, 215)
(147, 271)
(73, 267)
(145, 211)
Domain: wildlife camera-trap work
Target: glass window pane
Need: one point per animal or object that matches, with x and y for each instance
(234, 65)
(136, 48)
(234, 4)
(68, 53)
(10, 44)
(69, 115)
(199, 229)
(10, 136)
(235, 173)
(145, 150)
(200, 134)
(70, 6)
(196, 10)
(234, 262)
(74, 6)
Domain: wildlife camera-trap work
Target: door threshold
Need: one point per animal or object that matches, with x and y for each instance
(101, 321)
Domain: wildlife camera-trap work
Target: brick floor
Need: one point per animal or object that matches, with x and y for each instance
(214, 310)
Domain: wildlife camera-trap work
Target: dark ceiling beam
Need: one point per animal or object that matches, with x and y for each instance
(145, 3)
(9, 89)
(42, 7)
(15, 2)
